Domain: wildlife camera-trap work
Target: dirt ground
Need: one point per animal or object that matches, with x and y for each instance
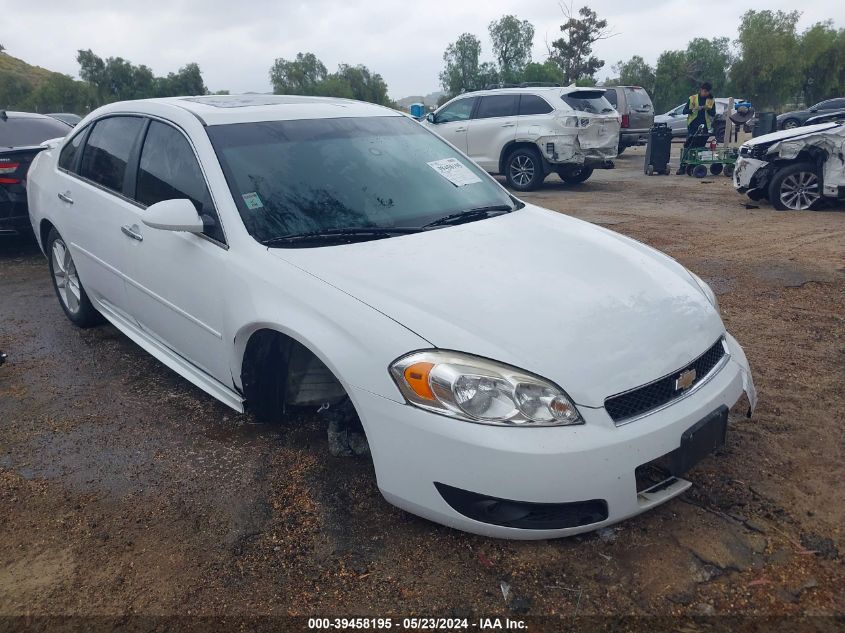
(125, 490)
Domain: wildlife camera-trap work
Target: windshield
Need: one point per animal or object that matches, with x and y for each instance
(24, 131)
(592, 101)
(306, 176)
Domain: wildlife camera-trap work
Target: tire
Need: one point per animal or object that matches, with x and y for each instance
(524, 169)
(649, 170)
(576, 175)
(719, 133)
(67, 285)
(667, 171)
(690, 169)
(699, 171)
(796, 187)
(716, 168)
(729, 170)
(790, 124)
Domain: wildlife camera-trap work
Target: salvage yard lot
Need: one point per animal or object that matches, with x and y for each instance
(125, 489)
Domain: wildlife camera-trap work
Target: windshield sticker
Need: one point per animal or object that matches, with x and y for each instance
(454, 171)
(252, 201)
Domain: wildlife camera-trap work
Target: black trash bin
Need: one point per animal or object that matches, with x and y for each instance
(658, 151)
(766, 124)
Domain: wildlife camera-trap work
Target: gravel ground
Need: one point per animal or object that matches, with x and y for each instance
(123, 489)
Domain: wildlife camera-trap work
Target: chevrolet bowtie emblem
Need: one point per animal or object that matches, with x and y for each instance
(685, 380)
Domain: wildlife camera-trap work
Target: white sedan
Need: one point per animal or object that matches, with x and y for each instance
(515, 372)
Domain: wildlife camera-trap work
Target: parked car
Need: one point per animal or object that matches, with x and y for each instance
(795, 169)
(512, 367)
(66, 117)
(827, 117)
(634, 106)
(796, 118)
(21, 135)
(527, 133)
(677, 120)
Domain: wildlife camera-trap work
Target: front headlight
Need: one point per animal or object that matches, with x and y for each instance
(478, 390)
(706, 289)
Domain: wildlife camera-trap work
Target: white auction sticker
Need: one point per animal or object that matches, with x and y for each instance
(454, 171)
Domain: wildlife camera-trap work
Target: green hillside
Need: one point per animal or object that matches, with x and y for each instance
(34, 75)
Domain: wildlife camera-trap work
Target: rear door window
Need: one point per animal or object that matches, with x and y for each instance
(638, 99)
(25, 131)
(108, 149)
(494, 106)
(532, 104)
(610, 95)
(169, 170)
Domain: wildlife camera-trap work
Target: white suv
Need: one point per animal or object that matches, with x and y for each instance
(527, 133)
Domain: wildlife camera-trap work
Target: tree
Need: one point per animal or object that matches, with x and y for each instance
(299, 76)
(709, 60)
(186, 81)
(2, 48)
(768, 66)
(634, 72)
(822, 55)
(573, 51)
(363, 85)
(14, 90)
(547, 72)
(60, 93)
(462, 72)
(512, 41)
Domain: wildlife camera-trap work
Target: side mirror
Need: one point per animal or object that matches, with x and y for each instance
(430, 117)
(173, 215)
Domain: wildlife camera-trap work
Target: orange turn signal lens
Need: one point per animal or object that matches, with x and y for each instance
(416, 376)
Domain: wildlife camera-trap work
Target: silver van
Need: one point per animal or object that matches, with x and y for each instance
(634, 105)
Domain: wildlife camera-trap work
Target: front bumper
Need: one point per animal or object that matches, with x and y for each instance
(413, 450)
(750, 173)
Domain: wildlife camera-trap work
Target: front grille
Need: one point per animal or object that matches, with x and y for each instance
(624, 406)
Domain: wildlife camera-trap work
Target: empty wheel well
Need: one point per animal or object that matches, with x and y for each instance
(278, 374)
(510, 147)
(43, 231)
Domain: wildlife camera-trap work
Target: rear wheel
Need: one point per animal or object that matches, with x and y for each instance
(796, 187)
(790, 124)
(524, 169)
(575, 175)
(66, 283)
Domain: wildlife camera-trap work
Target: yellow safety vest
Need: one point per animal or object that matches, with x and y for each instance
(708, 105)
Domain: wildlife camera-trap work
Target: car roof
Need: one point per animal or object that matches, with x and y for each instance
(248, 108)
(11, 114)
(558, 90)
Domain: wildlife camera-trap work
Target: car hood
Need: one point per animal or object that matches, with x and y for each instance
(796, 132)
(592, 310)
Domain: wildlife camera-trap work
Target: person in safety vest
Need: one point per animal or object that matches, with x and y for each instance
(701, 111)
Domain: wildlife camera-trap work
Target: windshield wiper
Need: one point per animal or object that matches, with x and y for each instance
(371, 231)
(470, 215)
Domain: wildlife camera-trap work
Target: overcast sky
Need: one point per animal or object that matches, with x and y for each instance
(235, 43)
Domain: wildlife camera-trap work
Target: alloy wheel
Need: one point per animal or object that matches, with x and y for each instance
(522, 170)
(66, 277)
(789, 125)
(800, 191)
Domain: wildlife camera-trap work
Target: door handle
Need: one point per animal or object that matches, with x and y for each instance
(460, 129)
(65, 197)
(508, 124)
(130, 231)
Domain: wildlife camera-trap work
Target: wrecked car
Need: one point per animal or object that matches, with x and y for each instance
(528, 133)
(794, 169)
(512, 371)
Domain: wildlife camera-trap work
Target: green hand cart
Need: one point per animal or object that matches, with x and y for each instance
(699, 161)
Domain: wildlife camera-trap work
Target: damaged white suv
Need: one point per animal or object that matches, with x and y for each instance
(527, 133)
(515, 372)
(794, 169)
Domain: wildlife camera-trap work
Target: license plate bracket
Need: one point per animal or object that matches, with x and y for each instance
(698, 441)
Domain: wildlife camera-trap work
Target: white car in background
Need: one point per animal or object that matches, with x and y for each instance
(515, 371)
(528, 133)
